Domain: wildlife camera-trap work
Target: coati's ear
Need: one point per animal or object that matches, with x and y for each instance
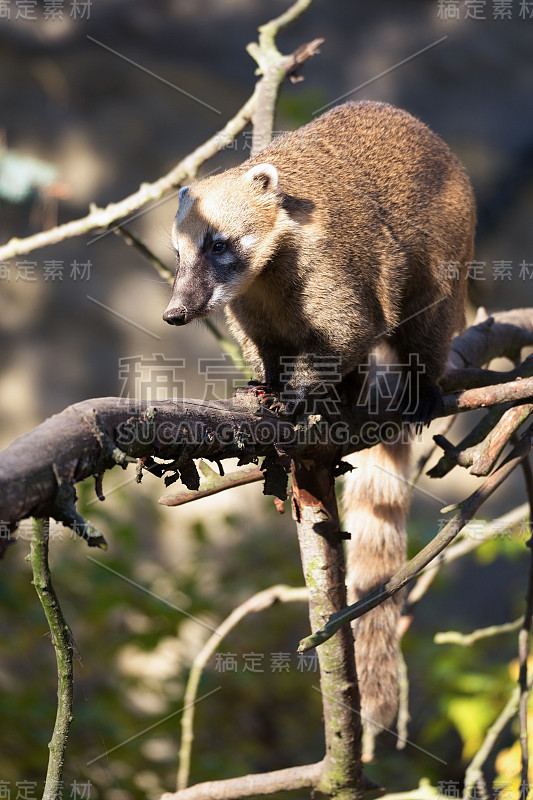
(264, 176)
(182, 193)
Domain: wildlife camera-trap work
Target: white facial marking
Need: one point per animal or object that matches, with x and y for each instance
(248, 241)
(174, 235)
(222, 294)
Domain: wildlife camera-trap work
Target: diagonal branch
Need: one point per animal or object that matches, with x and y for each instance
(258, 602)
(413, 567)
(102, 218)
(186, 169)
(458, 550)
(252, 785)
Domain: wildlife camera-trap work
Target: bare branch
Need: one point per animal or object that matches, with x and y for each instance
(252, 785)
(524, 638)
(322, 553)
(63, 646)
(470, 399)
(185, 170)
(502, 334)
(505, 523)
(474, 772)
(403, 717)
(91, 437)
(451, 452)
(102, 218)
(468, 639)
(274, 67)
(467, 509)
(440, 430)
(475, 377)
(258, 602)
(213, 484)
(482, 456)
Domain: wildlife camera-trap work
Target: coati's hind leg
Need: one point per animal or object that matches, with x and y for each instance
(422, 341)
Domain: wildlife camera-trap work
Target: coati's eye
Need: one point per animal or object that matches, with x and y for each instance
(218, 247)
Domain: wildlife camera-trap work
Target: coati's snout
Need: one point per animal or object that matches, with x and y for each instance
(190, 300)
(176, 315)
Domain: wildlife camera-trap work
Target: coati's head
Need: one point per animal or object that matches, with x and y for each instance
(227, 228)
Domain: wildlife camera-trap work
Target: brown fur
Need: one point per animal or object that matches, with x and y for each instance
(346, 255)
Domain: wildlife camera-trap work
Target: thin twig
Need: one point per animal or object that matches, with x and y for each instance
(468, 639)
(212, 485)
(103, 218)
(63, 646)
(449, 459)
(259, 601)
(274, 67)
(131, 239)
(474, 772)
(482, 456)
(523, 641)
(471, 541)
(489, 452)
(441, 429)
(187, 168)
(403, 717)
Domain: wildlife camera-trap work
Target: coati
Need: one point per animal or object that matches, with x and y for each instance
(347, 233)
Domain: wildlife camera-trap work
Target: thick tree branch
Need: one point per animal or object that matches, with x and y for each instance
(92, 436)
(95, 435)
(321, 549)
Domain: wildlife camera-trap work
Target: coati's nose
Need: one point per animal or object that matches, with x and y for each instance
(176, 315)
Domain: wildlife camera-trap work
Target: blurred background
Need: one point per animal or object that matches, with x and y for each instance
(98, 98)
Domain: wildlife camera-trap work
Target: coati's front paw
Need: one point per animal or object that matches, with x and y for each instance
(265, 395)
(420, 411)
